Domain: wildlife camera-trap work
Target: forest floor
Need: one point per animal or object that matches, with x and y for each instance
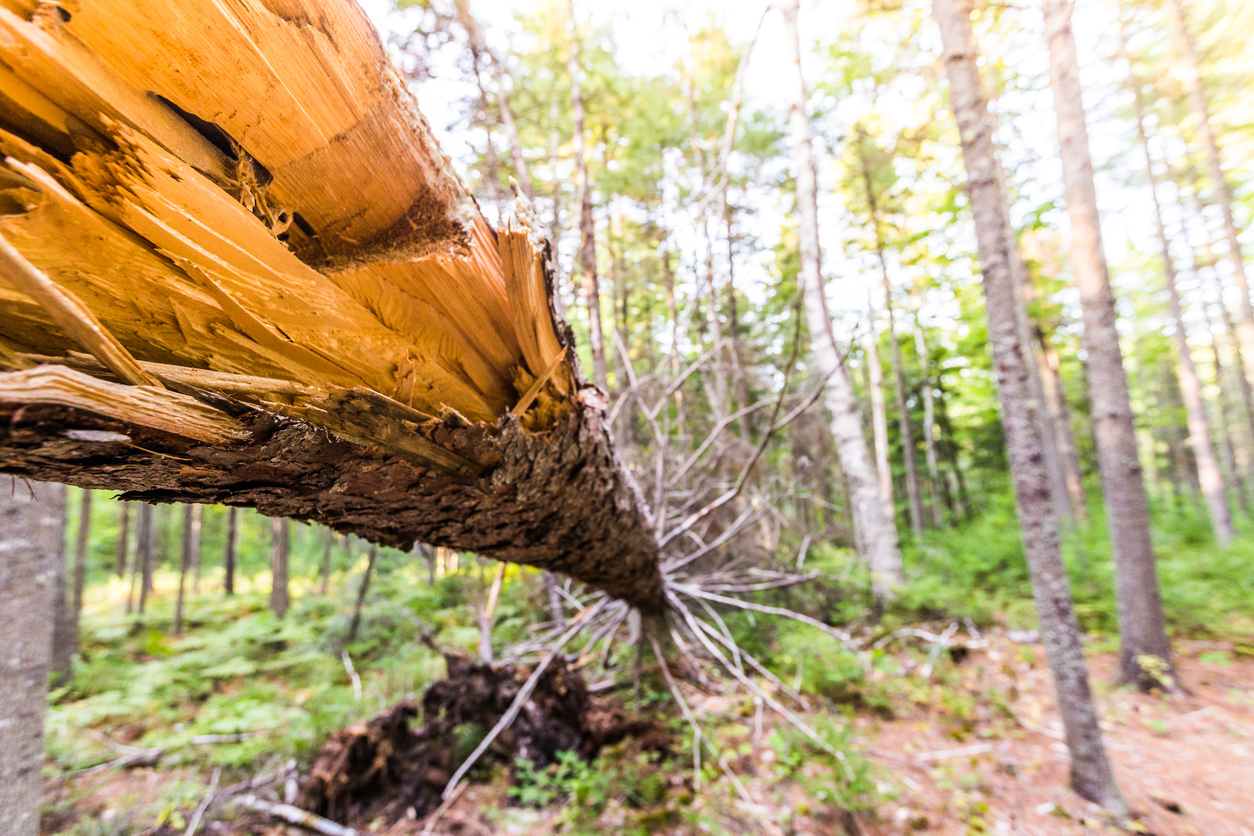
(965, 746)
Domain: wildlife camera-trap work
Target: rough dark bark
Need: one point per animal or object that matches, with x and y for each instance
(32, 517)
(280, 550)
(1091, 776)
(559, 500)
(1141, 626)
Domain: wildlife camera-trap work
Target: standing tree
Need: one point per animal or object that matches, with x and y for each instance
(230, 542)
(1141, 627)
(1189, 69)
(1091, 775)
(124, 524)
(81, 547)
(32, 516)
(587, 226)
(1208, 472)
(874, 529)
(879, 413)
(280, 549)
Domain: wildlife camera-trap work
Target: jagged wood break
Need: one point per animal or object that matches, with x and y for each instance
(236, 267)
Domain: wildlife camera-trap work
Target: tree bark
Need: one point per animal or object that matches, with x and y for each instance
(81, 548)
(587, 227)
(879, 415)
(1060, 413)
(328, 541)
(1189, 70)
(362, 589)
(479, 46)
(63, 614)
(913, 494)
(1208, 473)
(1141, 626)
(144, 553)
(185, 561)
(124, 524)
(1091, 776)
(32, 516)
(197, 531)
(228, 557)
(280, 547)
(929, 418)
(874, 530)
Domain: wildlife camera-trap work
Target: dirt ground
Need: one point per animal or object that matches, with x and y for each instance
(1185, 763)
(976, 750)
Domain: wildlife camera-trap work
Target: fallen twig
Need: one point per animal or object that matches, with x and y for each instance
(297, 816)
(524, 693)
(204, 804)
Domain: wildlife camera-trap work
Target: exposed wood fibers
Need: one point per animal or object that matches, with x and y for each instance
(242, 203)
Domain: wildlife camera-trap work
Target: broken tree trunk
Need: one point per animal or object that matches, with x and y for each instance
(278, 294)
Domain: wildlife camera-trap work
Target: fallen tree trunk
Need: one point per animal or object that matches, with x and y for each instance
(287, 298)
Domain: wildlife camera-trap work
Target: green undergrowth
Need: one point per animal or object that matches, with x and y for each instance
(978, 571)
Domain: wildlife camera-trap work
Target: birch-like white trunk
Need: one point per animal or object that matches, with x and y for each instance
(874, 530)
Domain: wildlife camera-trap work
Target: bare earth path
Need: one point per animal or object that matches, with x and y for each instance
(1186, 763)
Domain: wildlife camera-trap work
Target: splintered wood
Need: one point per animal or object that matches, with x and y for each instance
(230, 240)
(249, 188)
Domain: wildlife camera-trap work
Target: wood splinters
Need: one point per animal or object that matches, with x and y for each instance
(72, 315)
(532, 391)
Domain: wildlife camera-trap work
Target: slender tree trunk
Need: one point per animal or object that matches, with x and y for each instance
(328, 541)
(1189, 70)
(228, 557)
(1238, 475)
(913, 494)
(80, 565)
(1230, 332)
(1060, 411)
(355, 624)
(1091, 776)
(874, 529)
(63, 616)
(555, 229)
(488, 612)
(280, 546)
(929, 418)
(144, 553)
(32, 517)
(1208, 472)
(587, 228)
(185, 560)
(879, 415)
(1141, 626)
(194, 558)
(1020, 280)
(124, 524)
(479, 48)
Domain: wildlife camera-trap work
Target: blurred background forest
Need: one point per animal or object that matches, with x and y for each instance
(214, 644)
